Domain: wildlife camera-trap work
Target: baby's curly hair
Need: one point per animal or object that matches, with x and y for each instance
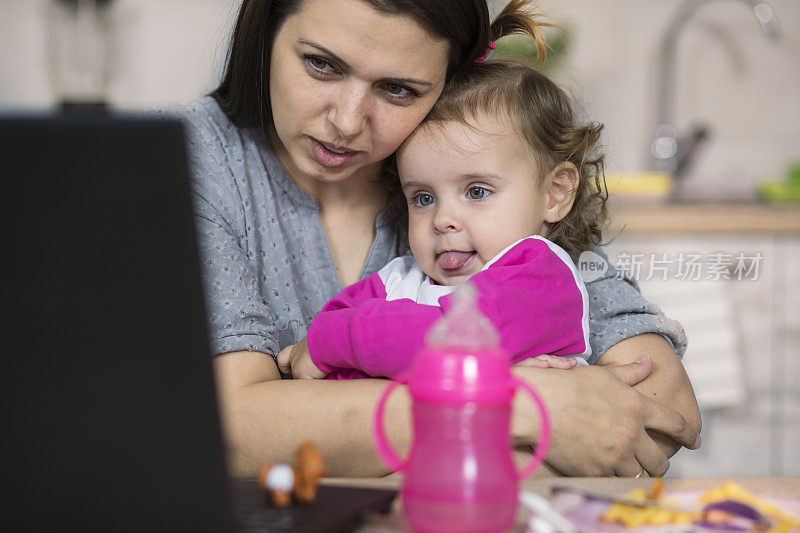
(543, 114)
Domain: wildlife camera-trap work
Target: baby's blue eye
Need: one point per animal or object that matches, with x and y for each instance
(424, 200)
(477, 193)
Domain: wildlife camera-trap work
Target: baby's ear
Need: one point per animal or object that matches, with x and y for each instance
(560, 188)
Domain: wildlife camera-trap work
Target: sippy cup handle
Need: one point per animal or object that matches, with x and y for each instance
(544, 430)
(385, 450)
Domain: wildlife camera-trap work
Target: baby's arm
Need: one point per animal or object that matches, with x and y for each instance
(359, 329)
(295, 360)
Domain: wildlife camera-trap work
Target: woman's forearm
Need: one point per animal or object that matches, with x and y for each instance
(667, 383)
(265, 418)
(597, 418)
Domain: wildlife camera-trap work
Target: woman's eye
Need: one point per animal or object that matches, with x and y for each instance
(399, 91)
(319, 64)
(423, 200)
(477, 193)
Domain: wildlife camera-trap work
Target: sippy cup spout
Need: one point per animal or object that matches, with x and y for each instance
(463, 325)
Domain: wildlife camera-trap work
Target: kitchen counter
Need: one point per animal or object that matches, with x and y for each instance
(703, 219)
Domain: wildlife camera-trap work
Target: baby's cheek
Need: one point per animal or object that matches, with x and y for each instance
(416, 235)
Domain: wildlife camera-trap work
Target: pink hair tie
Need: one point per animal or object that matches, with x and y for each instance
(492, 46)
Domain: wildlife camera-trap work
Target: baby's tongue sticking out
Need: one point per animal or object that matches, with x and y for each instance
(453, 260)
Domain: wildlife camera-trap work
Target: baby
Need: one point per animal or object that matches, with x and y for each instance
(502, 186)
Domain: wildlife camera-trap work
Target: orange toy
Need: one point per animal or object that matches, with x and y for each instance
(308, 468)
(280, 481)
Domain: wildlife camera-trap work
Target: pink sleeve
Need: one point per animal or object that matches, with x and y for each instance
(359, 330)
(534, 297)
(536, 300)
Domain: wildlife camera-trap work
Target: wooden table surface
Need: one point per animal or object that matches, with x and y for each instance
(778, 487)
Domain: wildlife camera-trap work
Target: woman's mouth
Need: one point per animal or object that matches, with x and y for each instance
(453, 261)
(330, 155)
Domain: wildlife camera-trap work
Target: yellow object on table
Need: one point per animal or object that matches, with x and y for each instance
(639, 184)
(668, 512)
(632, 516)
(732, 491)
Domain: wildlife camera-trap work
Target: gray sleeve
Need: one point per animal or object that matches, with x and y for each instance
(238, 318)
(617, 311)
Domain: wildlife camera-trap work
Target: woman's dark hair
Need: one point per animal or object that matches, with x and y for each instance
(243, 94)
(543, 116)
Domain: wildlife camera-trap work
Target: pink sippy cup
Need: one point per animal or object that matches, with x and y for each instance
(460, 474)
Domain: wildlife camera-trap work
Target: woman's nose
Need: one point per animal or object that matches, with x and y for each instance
(446, 219)
(348, 112)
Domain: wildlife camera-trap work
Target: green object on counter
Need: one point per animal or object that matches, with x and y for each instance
(794, 174)
(783, 191)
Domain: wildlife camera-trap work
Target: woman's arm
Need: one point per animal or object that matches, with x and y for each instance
(265, 418)
(667, 383)
(599, 420)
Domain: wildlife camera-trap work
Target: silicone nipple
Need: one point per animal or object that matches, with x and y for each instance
(464, 326)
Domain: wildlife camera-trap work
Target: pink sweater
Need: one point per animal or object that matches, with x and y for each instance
(531, 292)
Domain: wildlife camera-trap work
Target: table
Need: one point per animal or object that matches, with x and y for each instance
(779, 487)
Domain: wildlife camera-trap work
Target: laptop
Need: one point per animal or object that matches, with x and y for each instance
(110, 420)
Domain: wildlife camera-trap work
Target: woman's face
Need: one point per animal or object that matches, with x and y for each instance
(348, 84)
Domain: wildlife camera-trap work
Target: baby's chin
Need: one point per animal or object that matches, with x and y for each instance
(449, 282)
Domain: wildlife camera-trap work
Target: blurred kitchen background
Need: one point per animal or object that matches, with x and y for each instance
(707, 93)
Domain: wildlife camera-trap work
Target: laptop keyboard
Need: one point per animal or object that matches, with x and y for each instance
(336, 509)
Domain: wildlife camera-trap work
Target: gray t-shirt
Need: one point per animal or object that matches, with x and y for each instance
(265, 260)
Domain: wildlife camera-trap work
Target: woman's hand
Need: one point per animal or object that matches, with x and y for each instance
(599, 421)
(296, 360)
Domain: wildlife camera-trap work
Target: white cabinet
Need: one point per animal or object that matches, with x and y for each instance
(744, 344)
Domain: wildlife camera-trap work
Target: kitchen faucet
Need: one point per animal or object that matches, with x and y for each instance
(673, 154)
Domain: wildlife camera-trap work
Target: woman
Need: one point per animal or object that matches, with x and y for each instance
(291, 205)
